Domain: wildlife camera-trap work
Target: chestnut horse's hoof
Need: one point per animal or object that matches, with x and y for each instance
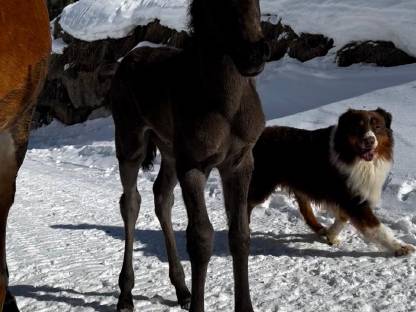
(10, 304)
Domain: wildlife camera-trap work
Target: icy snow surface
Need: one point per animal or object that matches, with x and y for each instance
(289, 86)
(65, 233)
(344, 21)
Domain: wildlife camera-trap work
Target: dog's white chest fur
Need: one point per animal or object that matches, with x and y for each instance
(365, 178)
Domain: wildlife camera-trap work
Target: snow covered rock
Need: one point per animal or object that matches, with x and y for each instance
(90, 37)
(80, 73)
(381, 53)
(55, 7)
(309, 46)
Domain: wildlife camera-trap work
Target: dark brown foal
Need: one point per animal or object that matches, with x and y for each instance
(200, 107)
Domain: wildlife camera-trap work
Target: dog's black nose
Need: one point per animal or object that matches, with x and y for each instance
(369, 141)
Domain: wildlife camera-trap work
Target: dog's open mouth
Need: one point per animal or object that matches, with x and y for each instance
(368, 154)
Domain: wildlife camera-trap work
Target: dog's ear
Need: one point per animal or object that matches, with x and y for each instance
(386, 115)
(345, 117)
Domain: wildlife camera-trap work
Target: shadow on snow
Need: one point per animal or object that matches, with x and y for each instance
(152, 243)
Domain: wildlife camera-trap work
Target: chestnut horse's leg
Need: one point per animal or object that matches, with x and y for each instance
(199, 233)
(13, 147)
(8, 172)
(131, 151)
(236, 179)
(164, 199)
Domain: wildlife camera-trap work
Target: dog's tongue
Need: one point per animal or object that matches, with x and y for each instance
(368, 156)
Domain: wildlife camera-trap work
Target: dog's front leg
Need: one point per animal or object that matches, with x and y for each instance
(363, 218)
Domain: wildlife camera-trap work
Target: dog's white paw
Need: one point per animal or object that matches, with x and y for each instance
(333, 240)
(404, 250)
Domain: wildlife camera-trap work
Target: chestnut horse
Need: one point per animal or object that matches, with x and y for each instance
(25, 45)
(200, 107)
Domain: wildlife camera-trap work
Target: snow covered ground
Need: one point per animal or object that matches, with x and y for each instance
(288, 86)
(65, 233)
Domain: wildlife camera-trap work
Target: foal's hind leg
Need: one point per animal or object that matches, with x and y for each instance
(236, 179)
(199, 232)
(164, 199)
(131, 151)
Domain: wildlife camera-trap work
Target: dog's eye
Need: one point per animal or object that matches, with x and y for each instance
(378, 127)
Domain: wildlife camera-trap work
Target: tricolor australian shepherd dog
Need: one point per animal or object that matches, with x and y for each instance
(342, 167)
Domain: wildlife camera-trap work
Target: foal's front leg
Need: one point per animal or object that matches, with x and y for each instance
(236, 180)
(199, 233)
(164, 200)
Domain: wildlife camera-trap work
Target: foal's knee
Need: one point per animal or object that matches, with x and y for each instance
(130, 205)
(163, 203)
(200, 242)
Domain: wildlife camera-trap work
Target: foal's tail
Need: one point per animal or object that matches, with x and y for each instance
(147, 163)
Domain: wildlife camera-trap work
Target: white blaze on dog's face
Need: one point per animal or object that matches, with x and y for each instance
(364, 135)
(362, 149)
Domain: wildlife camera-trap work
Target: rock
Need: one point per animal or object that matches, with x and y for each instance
(304, 47)
(381, 53)
(80, 77)
(80, 72)
(279, 37)
(308, 46)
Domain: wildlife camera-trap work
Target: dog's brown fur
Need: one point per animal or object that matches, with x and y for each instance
(320, 166)
(25, 45)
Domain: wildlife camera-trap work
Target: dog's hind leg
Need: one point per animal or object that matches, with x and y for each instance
(307, 213)
(341, 220)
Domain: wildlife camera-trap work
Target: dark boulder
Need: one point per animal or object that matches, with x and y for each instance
(381, 53)
(308, 46)
(80, 77)
(280, 37)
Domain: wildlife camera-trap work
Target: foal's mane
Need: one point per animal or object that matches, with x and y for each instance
(196, 20)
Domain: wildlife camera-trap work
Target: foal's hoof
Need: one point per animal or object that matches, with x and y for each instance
(186, 306)
(184, 300)
(125, 303)
(405, 250)
(10, 304)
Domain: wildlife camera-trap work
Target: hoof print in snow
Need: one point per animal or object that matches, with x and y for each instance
(381, 53)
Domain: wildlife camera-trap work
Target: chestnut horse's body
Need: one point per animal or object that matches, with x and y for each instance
(24, 50)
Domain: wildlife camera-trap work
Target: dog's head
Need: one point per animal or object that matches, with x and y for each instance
(364, 135)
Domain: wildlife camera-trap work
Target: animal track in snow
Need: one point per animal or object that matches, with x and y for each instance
(407, 189)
